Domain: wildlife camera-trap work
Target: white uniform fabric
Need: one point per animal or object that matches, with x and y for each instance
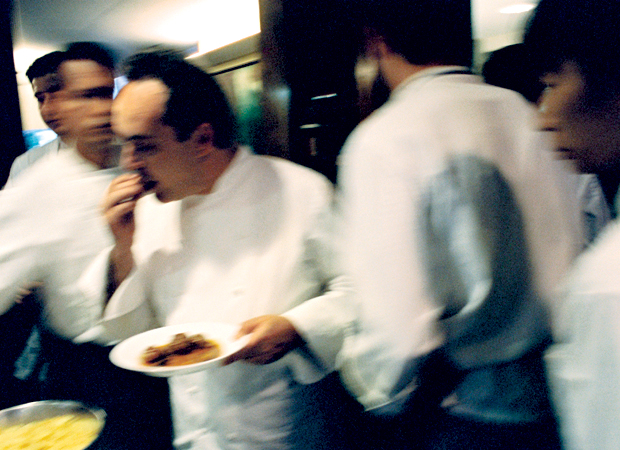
(259, 243)
(387, 167)
(595, 211)
(51, 229)
(584, 364)
(26, 160)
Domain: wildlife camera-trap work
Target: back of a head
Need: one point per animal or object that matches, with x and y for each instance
(45, 65)
(509, 67)
(90, 51)
(581, 31)
(422, 31)
(195, 97)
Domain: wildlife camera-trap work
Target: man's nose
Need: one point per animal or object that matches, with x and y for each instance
(129, 159)
(545, 120)
(48, 106)
(104, 107)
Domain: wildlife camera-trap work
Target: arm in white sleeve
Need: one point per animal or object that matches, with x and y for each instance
(128, 311)
(326, 319)
(476, 254)
(584, 371)
(26, 241)
(583, 365)
(380, 183)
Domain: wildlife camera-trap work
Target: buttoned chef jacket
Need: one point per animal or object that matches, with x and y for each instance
(51, 228)
(399, 180)
(259, 243)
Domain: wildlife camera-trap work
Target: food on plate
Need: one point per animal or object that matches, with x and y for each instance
(181, 351)
(65, 432)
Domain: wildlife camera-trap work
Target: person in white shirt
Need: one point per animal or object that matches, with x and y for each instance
(454, 235)
(511, 68)
(45, 82)
(221, 235)
(51, 229)
(576, 48)
(43, 77)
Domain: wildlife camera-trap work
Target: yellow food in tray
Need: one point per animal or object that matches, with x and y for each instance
(65, 432)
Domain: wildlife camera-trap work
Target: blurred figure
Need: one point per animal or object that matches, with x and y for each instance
(51, 228)
(229, 237)
(512, 68)
(45, 84)
(576, 47)
(454, 236)
(509, 67)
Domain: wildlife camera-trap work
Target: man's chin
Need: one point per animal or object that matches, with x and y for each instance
(163, 198)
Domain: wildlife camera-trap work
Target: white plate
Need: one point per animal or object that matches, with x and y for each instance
(127, 354)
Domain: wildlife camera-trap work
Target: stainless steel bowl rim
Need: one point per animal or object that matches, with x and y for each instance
(45, 409)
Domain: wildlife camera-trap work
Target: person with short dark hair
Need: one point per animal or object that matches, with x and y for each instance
(51, 230)
(454, 239)
(575, 46)
(45, 84)
(509, 67)
(228, 236)
(512, 68)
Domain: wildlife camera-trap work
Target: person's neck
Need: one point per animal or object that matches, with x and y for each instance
(103, 157)
(396, 69)
(217, 161)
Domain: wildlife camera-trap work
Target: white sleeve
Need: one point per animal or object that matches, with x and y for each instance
(397, 319)
(127, 312)
(27, 241)
(584, 373)
(326, 320)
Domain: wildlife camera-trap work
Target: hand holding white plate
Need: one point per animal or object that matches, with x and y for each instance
(128, 353)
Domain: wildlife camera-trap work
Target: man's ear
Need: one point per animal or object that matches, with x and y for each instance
(374, 44)
(203, 137)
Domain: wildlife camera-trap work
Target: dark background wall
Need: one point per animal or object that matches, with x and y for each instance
(12, 144)
(310, 48)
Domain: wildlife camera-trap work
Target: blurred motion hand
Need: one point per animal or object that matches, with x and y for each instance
(118, 207)
(271, 337)
(25, 292)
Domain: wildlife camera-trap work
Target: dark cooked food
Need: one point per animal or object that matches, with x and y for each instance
(181, 351)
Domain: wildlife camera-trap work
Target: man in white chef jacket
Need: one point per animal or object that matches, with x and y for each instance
(221, 235)
(453, 235)
(46, 85)
(576, 49)
(51, 230)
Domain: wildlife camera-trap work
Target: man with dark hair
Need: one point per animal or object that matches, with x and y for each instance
(230, 237)
(509, 67)
(51, 229)
(512, 68)
(453, 236)
(576, 48)
(45, 84)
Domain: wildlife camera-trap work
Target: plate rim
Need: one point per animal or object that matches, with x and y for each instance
(169, 371)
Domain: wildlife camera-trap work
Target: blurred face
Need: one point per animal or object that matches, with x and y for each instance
(46, 92)
(168, 167)
(588, 135)
(86, 103)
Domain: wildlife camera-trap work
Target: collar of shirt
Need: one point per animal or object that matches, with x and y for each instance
(234, 174)
(431, 72)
